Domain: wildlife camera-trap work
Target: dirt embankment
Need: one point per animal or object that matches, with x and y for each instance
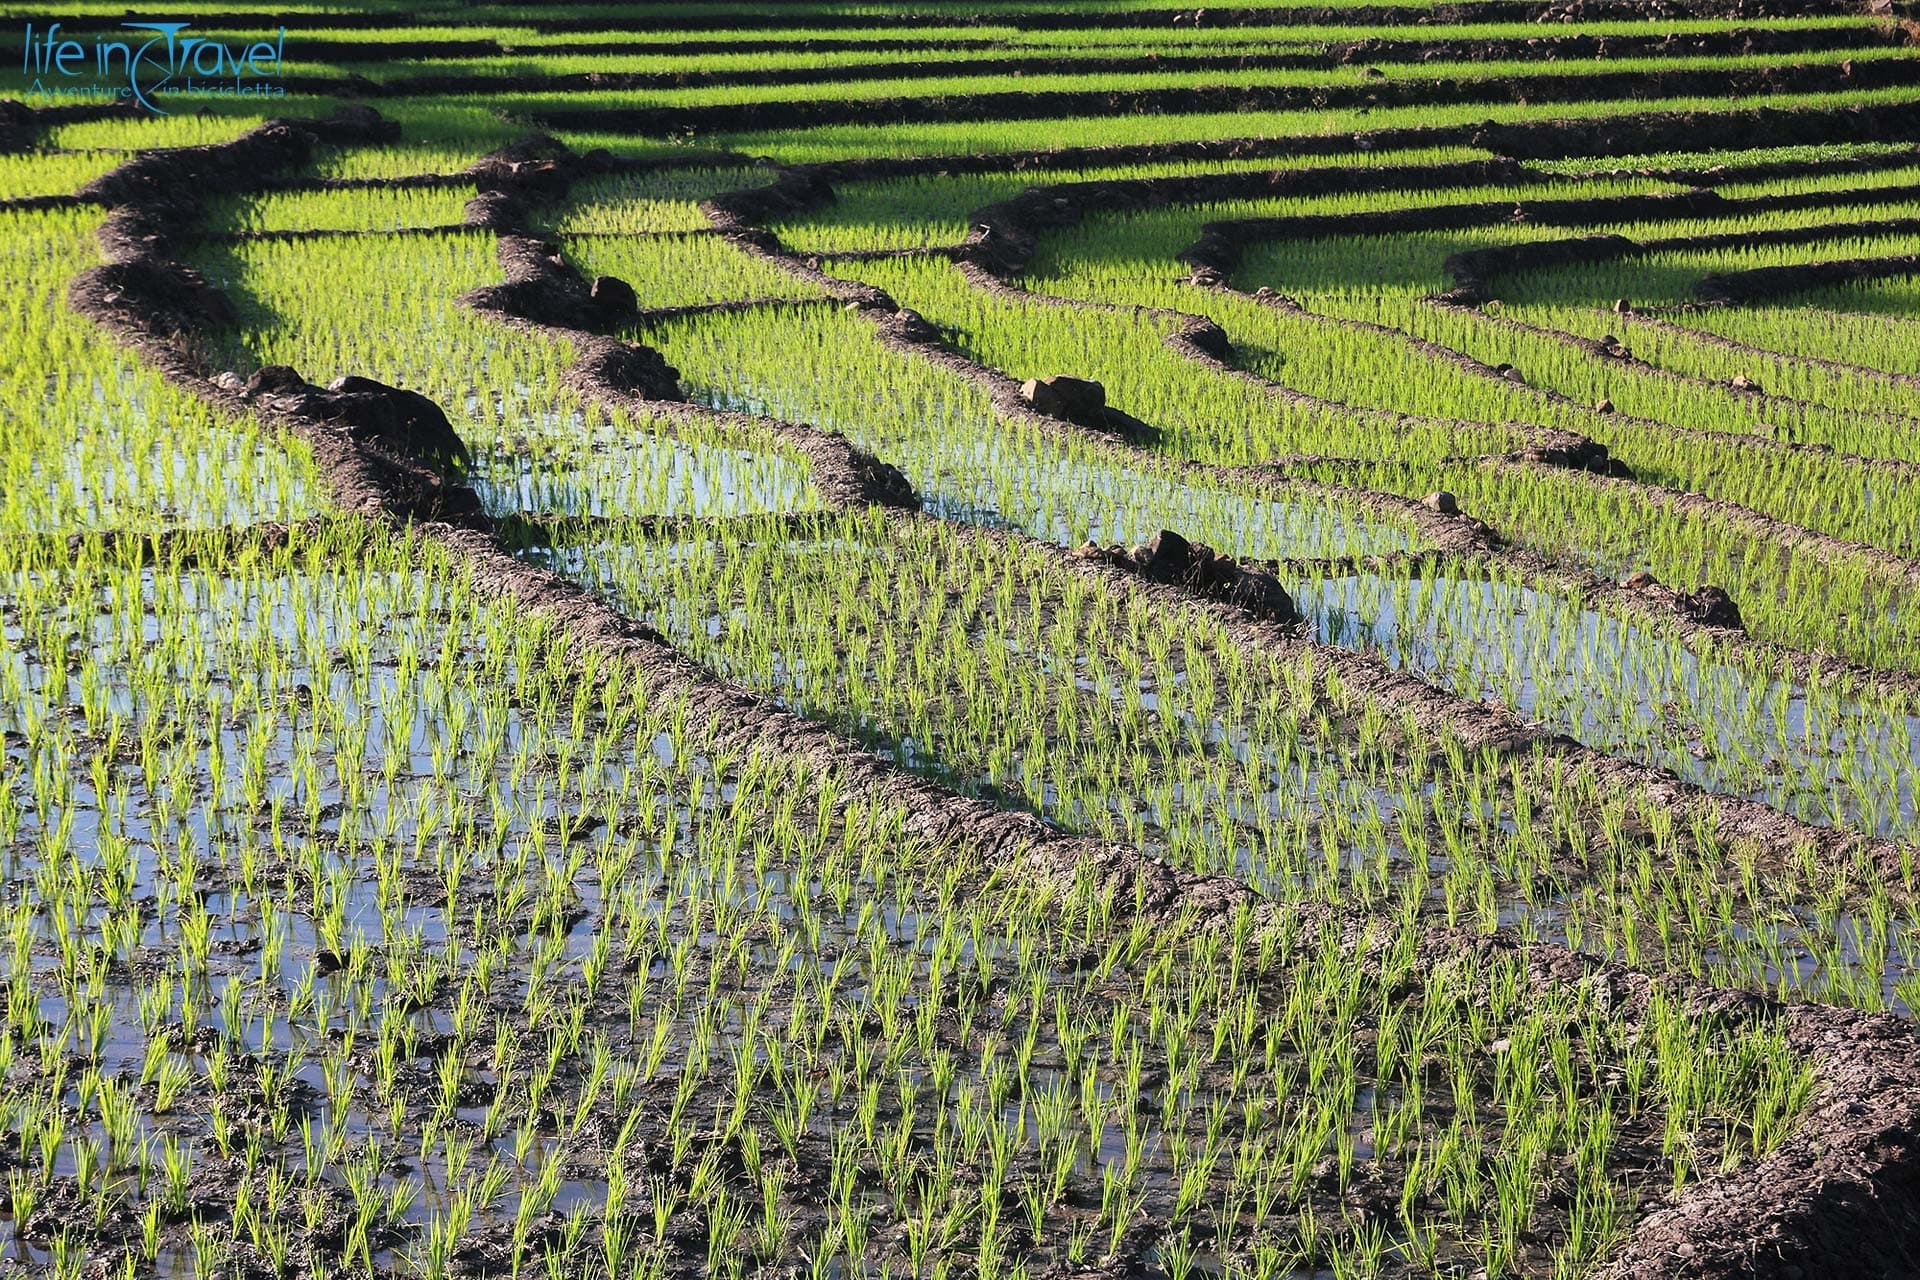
(1758, 284)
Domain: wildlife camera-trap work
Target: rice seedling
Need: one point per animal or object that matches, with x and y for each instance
(50, 173)
(96, 440)
(379, 906)
(537, 445)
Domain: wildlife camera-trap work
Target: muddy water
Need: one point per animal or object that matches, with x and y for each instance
(966, 464)
(321, 667)
(620, 474)
(1626, 690)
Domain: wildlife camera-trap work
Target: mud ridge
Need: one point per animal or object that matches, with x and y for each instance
(1839, 1196)
(1643, 320)
(650, 316)
(1643, 602)
(1716, 175)
(543, 290)
(22, 125)
(1620, 354)
(402, 182)
(215, 546)
(288, 235)
(1756, 284)
(523, 530)
(1780, 533)
(1691, 131)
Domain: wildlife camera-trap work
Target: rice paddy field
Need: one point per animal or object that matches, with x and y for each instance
(970, 640)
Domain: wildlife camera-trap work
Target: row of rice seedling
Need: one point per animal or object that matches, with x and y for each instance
(1668, 277)
(1036, 86)
(1236, 762)
(1828, 752)
(668, 270)
(1868, 323)
(198, 122)
(94, 439)
(436, 136)
(1729, 161)
(827, 143)
(1851, 412)
(968, 461)
(934, 209)
(537, 445)
(27, 174)
(715, 67)
(793, 31)
(367, 209)
(678, 1015)
(1854, 412)
(645, 201)
(1809, 599)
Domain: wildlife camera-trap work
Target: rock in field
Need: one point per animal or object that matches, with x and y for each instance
(403, 420)
(1169, 558)
(614, 296)
(1076, 399)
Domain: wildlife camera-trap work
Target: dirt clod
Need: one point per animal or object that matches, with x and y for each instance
(613, 296)
(1171, 559)
(1076, 399)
